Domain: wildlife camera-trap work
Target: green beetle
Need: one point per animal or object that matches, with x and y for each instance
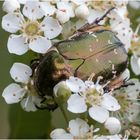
(93, 50)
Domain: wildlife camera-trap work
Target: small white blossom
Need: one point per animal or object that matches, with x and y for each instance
(15, 93)
(90, 95)
(77, 129)
(64, 11)
(82, 11)
(113, 125)
(34, 34)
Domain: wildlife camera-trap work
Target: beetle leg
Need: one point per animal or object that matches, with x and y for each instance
(33, 64)
(47, 107)
(125, 85)
(95, 22)
(50, 107)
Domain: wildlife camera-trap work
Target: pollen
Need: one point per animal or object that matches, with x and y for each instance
(32, 29)
(93, 97)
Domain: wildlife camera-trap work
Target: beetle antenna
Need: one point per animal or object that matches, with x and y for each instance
(95, 22)
(100, 19)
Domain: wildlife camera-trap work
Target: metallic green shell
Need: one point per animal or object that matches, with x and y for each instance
(101, 53)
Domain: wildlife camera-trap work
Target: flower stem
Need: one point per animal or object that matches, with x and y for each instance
(64, 113)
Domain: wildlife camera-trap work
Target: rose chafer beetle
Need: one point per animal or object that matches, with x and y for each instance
(91, 50)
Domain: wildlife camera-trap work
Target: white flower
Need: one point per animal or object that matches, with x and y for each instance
(64, 11)
(128, 98)
(113, 125)
(15, 93)
(78, 129)
(11, 5)
(90, 95)
(82, 11)
(31, 30)
(123, 30)
(135, 64)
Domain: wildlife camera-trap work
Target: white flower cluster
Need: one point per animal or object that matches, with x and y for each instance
(38, 24)
(80, 129)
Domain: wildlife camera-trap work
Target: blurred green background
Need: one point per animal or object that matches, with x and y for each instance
(14, 122)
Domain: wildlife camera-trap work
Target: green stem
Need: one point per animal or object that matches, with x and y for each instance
(64, 113)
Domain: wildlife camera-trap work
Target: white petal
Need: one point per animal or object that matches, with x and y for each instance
(67, 7)
(10, 5)
(48, 8)
(134, 4)
(57, 132)
(16, 45)
(78, 2)
(51, 27)
(75, 84)
(62, 16)
(27, 104)
(133, 90)
(110, 103)
(60, 134)
(76, 104)
(13, 93)
(133, 112)
(123, 30)
(33, 10)
(134, 64)
(82, 11)
(113, 125)
(110, 137)
(78, 127)
(22, 1)
(40, 45)
(12, 22)
(118, 13)
(98, 113)
(20, 72)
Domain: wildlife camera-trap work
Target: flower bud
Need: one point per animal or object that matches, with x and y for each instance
(61, 93)
(82, 11)
(113, 125)
(10, 5)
